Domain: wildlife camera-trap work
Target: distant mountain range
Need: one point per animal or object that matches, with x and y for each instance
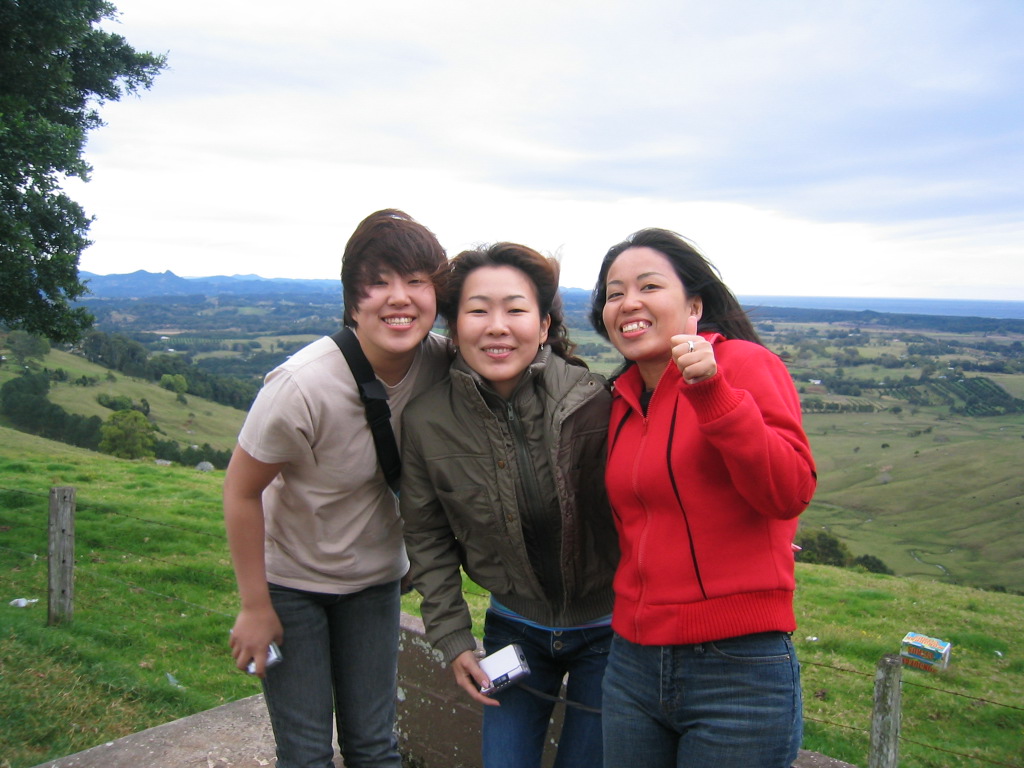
(142, 284)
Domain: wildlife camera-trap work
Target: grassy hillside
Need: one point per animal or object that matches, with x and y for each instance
(154, 599)
(196, 421)
(930, 493)
(930, 497)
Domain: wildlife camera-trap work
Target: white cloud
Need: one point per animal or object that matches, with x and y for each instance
(843, 148)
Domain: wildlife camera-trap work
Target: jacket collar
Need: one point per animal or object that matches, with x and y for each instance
(460, 370)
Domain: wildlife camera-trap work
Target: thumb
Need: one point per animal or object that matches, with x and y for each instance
(690, 329)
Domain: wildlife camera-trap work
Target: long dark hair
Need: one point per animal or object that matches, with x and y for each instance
(540, 270)
(722, 311)
(388, 239)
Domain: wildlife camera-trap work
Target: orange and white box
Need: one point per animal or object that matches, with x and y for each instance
(923, 652)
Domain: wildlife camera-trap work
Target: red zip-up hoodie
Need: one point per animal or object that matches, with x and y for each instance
(706, 490)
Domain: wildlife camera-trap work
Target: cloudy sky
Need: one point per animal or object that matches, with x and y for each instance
(809, 148)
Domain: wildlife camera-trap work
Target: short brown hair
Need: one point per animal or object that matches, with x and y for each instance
(388, 239)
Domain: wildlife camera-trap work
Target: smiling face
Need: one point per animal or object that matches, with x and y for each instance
(645, 307)
(394, 315)
(499, 327)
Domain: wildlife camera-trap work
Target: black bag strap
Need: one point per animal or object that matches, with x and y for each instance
(375, 400)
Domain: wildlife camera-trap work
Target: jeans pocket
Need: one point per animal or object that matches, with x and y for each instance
(500, 631)
(760, 648)
(598, 639)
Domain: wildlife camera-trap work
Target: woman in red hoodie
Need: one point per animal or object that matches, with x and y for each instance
(708, 469)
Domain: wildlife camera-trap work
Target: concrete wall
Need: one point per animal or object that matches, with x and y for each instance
(438, 726)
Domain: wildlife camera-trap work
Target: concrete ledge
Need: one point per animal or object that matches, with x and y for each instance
(235, 735)
(438, 727)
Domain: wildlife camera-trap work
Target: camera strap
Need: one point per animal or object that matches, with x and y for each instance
(556, 699)
(375, 402)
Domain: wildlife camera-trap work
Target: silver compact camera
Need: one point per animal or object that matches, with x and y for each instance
(273, 657)
(504, 667)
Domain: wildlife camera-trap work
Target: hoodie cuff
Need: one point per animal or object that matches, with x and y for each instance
(712, 398)
(452, 645)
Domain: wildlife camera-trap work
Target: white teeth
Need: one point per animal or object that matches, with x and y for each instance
(496, 350)
(398, 320)
(635, 326)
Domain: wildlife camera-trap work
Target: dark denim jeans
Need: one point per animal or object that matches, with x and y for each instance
(514, 733)
(340, 656)
(732, 703)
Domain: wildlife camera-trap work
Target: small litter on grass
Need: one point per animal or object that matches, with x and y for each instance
(174, 681)
(23, 602)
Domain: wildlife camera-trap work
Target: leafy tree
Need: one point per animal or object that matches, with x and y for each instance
(23, 401)
(56, 68)
(823, 549)
(116, 352)
(872, 564)
(175, 382)
(27, 346)
(127, 435)
(115, 402)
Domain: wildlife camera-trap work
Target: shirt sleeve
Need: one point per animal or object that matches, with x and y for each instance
(279, 426)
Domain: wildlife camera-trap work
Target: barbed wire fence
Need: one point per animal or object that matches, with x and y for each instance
(87, 569)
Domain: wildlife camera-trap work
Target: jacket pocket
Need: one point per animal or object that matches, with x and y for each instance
(481, 532)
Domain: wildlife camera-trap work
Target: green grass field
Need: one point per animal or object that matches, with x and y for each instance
(929, 493)
(930, 497)
(155, 597)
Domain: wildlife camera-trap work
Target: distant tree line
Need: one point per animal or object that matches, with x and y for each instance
(24, 401)
(119, 353)
(127, 433)
(273, 313)
(821, 548)
(975, 396)
(945, 323)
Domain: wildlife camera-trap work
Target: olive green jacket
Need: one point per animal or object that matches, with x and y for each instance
(466, 472)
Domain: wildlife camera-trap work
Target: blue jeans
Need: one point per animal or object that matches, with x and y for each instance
(340, 660)
(732, 703)
(514, 733)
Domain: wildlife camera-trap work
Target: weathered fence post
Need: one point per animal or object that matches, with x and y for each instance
(886, 714)
(62, 555)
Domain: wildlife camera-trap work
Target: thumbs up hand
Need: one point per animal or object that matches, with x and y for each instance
(693, 354)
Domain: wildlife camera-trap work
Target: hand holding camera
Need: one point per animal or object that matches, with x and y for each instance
(273, 657)
(481, 678)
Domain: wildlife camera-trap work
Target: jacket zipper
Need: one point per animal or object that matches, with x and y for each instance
(682, 507)
(642, 548)
(534, 500)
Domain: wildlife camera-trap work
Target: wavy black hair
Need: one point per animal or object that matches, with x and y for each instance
(722, 311)
(541, 270)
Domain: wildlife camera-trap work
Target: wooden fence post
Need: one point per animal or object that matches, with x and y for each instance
(886, 714)
(62, 555)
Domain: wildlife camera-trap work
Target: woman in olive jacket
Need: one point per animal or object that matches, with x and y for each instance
(503, 476)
